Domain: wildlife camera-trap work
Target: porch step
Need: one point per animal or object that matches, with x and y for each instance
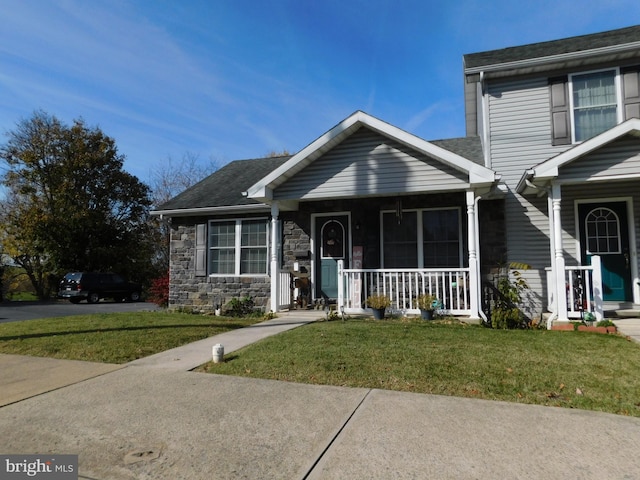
(623, 313)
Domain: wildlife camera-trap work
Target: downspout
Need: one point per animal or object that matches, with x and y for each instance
(479, 269)
(486, 148)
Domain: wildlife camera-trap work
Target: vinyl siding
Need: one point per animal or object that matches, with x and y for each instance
(619, 159)
(520, 129)
(368, 163)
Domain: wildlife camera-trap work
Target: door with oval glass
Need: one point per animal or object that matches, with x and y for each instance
(332, 240)
(604, 231)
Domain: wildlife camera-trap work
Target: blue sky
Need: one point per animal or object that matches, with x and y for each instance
(234, 79)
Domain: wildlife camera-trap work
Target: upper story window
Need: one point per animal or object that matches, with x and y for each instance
(238, 247)
(595, 105)
(586, 104)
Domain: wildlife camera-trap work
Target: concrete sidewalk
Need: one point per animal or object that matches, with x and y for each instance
(157, 420)
(188, 357)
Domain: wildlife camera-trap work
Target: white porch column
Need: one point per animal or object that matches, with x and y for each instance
(474, 281)
(558, 263)
(596, 285)
(275, 267)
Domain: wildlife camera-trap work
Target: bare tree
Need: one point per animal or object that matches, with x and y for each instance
(171, 177)
(167, 180)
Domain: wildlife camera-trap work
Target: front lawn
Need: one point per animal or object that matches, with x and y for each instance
(113, 337)
(568, 369)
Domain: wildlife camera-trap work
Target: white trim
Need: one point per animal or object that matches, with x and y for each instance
(263, 190)
(237, 246)
(191, 212)
(549, 169)
(420, 238)
(631, 234)
(563, 57)
(619, 103)
(313, 246)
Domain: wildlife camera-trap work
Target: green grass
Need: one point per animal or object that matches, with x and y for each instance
(111, 338)
(567, 369)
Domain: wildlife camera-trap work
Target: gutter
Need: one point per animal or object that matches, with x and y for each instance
(193, 212)
(552, 58)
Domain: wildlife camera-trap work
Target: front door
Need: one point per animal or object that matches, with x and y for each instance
(604, 231)
(332, 240)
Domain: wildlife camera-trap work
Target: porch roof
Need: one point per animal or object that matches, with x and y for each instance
(443, 151)
(536, 179)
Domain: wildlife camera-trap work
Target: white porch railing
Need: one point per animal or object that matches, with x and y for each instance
(584, 289)
(403, 286)
(284, 290)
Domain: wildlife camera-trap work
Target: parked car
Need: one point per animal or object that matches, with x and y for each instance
(92, 287)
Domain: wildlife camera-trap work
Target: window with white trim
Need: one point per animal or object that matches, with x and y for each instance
(602, 227)
(595, 103)
(238, 247)
(427, 238)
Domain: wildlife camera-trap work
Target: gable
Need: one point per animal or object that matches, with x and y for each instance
(478, 176)
(618, 160)
(369, 163)
(611, 155)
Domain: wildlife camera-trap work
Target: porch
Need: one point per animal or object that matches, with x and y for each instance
(452, 288)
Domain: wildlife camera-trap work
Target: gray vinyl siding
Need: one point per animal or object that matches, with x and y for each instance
(520, 129)
(620, 159)
(368, 163)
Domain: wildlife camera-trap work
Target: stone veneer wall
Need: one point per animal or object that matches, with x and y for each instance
(201, 293)
(296, 241)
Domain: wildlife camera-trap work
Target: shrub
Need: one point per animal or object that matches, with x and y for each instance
(159, 291)
(378, 301)
(239, 307)
(427, 302)
(511, 290)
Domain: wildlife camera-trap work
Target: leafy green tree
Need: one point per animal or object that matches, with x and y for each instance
(70, 205)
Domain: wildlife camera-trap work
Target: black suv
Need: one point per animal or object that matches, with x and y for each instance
(94, 286)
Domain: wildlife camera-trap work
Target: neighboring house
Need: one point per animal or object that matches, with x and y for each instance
(548, 175)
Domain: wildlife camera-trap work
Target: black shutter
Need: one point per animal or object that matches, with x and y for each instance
(631, 92)
(560, 126)
(201, 250)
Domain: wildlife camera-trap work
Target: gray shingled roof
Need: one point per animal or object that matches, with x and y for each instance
(224, 187)
(467, 147)
(555, 47)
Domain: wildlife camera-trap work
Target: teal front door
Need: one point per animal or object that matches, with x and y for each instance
(604, 231)
(332, 240)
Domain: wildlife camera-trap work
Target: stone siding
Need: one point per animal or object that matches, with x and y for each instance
(188, 292)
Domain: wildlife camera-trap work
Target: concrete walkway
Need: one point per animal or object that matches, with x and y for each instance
(188, 357)
(156, 420)
(629, 327)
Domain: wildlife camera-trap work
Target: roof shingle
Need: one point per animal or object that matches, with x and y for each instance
(554, 47)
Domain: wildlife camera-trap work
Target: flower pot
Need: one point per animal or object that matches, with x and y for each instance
(378, 313)
(426, 314)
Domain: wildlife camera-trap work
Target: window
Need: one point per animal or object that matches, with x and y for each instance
(400, 236)
(603, 231)
(422, 239)
(594, 103)
(238, 247)
(441, 238)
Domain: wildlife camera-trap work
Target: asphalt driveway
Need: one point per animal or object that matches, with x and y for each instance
(16, 311)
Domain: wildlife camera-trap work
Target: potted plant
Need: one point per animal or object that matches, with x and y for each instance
(378, 304)
(427, 303)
